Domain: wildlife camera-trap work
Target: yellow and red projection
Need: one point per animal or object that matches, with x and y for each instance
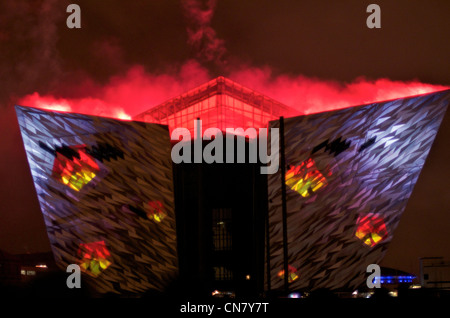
(292, 274)
(305, 178)
(371, 229)
(95, 258)
(75, 170)
(156, 211)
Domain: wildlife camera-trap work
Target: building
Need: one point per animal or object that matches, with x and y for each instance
(348, 176)
(115, 203)
(220, 221)
(219, 103)
(434, 272)
(21, 268)
(105, 188)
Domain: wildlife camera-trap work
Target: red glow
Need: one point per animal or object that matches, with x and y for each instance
(46, 102)
(138, 91)
(123, 96)
(309, 95)
(216, 111)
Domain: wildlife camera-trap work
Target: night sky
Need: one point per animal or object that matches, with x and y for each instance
(312, 55)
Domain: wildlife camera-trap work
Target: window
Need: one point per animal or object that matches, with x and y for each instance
(222, 273)
(221, 224)
(27, 272)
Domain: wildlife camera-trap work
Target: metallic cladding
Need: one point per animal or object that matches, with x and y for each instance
(108, 183)
(370, 158)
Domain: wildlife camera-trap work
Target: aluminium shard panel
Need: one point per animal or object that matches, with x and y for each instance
(349, 175)
(105, 188)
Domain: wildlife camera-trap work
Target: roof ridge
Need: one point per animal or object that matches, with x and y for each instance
(216, 86)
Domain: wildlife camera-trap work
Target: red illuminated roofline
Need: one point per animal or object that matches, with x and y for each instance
(63, 112)
(376, 102)
(217, 86)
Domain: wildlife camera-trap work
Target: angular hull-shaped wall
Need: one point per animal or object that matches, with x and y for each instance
(349, 174)
(105, 188)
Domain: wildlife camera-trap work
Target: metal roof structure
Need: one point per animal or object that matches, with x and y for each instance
(219, 103)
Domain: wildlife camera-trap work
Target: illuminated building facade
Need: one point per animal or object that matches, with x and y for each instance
(110, 193)
(105, 189)
(349, 174)
(220, 208)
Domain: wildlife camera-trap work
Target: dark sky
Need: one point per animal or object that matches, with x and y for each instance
(320, 40)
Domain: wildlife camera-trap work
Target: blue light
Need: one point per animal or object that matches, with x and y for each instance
(395, 279)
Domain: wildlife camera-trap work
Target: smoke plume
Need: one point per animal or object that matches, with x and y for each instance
(134, 89)
(28, 37)
(310, 95)
(202, 37)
